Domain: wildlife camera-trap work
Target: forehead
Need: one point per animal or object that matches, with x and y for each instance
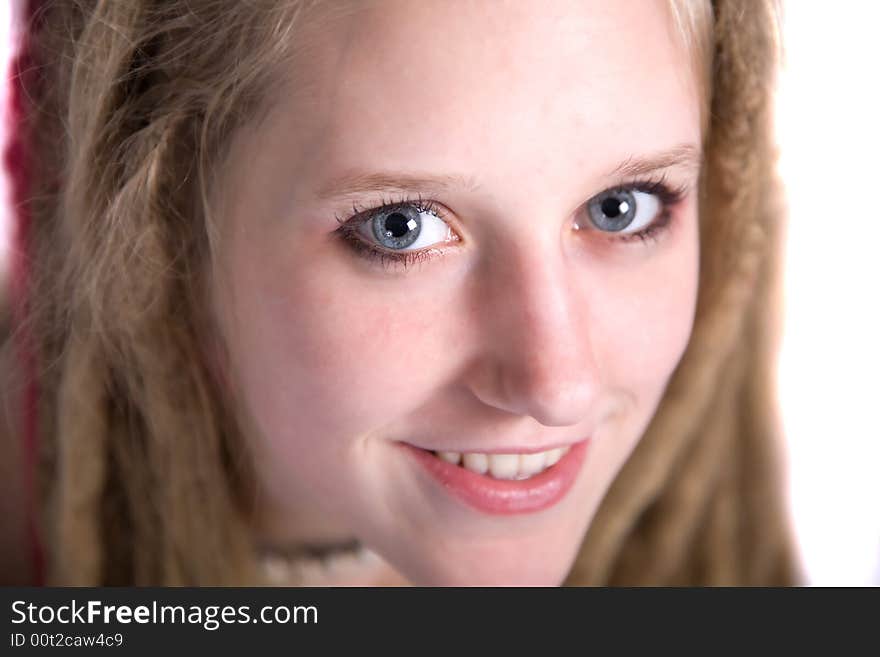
(489, 86)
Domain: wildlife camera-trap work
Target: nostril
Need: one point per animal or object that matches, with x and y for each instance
(559, 401)
(529, 390)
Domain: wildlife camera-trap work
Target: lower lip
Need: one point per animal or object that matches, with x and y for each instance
(500, 496)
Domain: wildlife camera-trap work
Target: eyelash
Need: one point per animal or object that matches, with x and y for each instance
(361, 215)
(668, 195)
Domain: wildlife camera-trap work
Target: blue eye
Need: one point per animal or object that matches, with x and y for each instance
(397, 229)
(401, 232)
(405, 227)
(623, 210)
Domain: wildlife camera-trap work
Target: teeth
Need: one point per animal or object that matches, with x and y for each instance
(478, 463)
(554, 455)
(450, 457)
(530, 464)
(505, 466)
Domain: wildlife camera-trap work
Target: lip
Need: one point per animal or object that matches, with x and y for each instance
(504, 497)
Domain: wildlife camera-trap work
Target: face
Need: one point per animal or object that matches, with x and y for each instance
(469, 231)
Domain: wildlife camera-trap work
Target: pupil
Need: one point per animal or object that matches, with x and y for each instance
(396, 224)
(611, 207)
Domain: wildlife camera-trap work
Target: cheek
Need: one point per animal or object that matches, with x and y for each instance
(649, 318)
(646, 321)
(321, 354)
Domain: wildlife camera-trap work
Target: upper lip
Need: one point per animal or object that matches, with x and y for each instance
(520, 449)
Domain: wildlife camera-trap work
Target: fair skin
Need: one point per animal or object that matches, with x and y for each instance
(528, 327)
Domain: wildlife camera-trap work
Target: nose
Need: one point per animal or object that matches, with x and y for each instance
(536, 354)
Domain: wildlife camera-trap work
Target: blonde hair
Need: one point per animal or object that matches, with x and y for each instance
(146, 471)
(692, 21)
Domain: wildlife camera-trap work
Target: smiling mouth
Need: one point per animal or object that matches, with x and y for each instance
(505, 466)
(507, 483)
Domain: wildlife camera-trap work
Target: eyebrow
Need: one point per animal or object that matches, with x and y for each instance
(358, 183)
(686, 156)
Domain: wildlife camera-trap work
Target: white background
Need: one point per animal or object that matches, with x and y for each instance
(828, 109)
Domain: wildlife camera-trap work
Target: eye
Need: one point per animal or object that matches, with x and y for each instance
(405, 227)
(623, 210)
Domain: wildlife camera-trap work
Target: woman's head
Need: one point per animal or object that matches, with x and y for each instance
(310, 243)
(518, 305)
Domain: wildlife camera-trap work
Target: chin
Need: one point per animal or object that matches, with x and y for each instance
(524, 568)
(482, 576)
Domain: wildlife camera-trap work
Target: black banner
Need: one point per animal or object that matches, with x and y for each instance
(145, 620)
